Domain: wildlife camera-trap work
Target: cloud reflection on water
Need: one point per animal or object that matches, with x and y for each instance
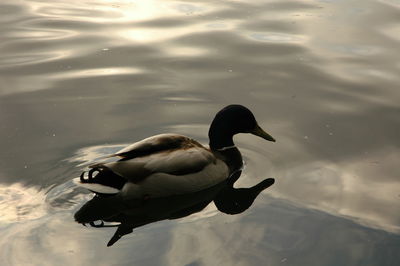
(20, 203)
(356, 190)
(343, 72)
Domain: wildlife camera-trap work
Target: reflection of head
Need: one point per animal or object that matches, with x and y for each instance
(235, 201)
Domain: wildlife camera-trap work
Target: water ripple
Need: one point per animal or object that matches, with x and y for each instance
(322, 76)
(276, 37)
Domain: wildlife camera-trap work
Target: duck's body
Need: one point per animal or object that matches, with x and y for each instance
(172, 164)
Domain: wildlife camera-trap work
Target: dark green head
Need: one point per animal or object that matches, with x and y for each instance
(232, 120)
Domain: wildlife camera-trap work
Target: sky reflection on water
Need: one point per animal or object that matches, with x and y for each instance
(80, 79)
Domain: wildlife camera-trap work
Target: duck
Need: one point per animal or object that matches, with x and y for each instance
(171, 164)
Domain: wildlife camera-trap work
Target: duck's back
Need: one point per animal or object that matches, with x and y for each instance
(155, 144)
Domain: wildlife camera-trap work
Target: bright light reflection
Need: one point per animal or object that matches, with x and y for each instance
(20, 203)
(115, 10)
(276, 37)
(184, 51)
(146, 35)
(151, 9)
(98, 72)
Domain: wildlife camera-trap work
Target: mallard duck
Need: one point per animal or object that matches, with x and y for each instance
(172, 164)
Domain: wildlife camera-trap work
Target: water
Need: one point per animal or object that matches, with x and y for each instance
(80, 79)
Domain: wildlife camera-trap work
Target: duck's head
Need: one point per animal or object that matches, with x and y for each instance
(231, 120)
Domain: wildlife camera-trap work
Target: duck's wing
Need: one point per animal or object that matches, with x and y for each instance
(171, 161)
(167, 153)
(178, 162)
(155, 144)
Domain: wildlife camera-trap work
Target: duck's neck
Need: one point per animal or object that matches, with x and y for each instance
(220, 138)
(221, 143)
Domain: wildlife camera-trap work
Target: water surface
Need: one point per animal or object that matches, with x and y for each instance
(81, 79)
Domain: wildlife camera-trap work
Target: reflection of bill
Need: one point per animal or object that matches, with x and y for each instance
(135, 213)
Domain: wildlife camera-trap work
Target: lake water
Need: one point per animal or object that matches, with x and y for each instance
(81, 79)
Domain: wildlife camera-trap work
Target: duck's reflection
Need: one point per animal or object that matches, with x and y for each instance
(130, 214)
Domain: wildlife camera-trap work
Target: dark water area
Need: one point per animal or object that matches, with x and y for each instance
(82, 79)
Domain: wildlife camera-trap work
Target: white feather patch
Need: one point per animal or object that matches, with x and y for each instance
(99, 188)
